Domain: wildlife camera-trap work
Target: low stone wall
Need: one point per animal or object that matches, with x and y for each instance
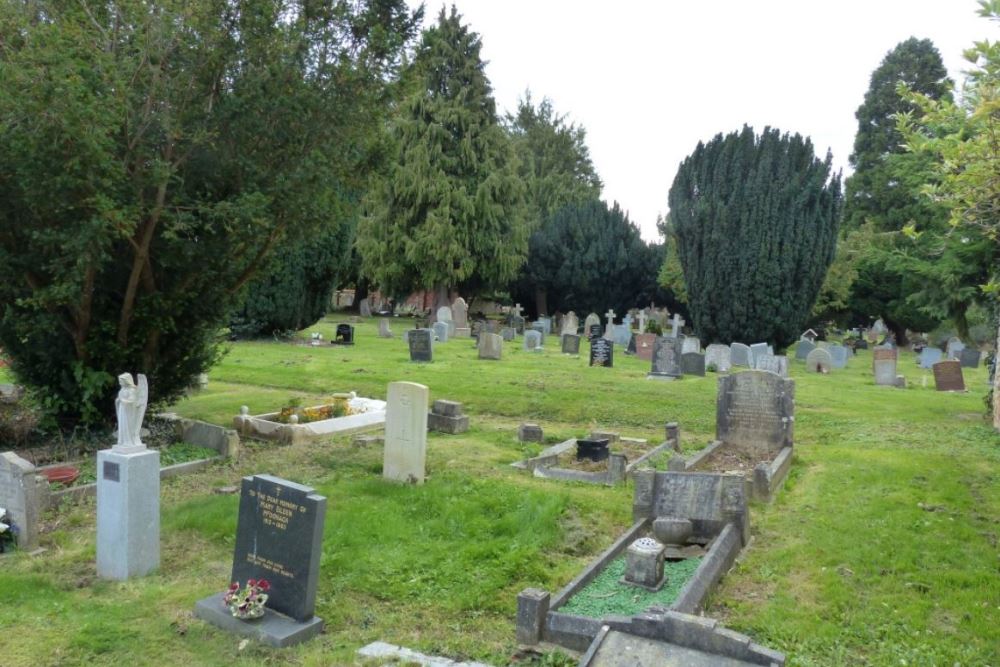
(714, 565)
(768, 478)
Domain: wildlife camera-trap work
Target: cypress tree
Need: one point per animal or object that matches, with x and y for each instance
(450, 211)
(755, 219)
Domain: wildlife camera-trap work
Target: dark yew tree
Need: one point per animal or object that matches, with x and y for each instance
(884, 192)
(450, 212)
(154, 154)
(755, 218)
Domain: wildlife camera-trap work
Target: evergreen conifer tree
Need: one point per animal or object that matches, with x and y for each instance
(450, 212)
(755, 219)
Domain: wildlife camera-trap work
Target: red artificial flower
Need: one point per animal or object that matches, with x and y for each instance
(251, 582)
(264, 584)
(234, 586)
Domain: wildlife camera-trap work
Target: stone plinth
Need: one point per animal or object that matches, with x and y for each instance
(273, 629)
(128, 513)
(644, 563)
(447, 417)
(529, 433)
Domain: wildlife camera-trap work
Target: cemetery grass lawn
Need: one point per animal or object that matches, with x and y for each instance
(880, 550)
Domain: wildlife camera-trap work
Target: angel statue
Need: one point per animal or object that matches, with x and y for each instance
(130, 407)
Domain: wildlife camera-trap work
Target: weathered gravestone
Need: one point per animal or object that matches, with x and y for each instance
(691, 344)
(758, 349)
(532, 340)
(517, 323)
(739, 355)
(772, 364)
(446, 417)
(589, 322)
(948, 376)
(405, 432)
(969, 358)
(21, 495)
(819, 361)
(602, 352)
(803, 348)
(954, 347)
(755, 411)
(279, 537)
(383, 328)
(490, 346)
(545, 323)
(644, 344)
(441, 331)
(717, 358)
(508, 333)
(444, 314)
(365, 308)
(421, 342)
(570, 324)
(930, 356)
(838, 356)
(708, 500)
(693, 363)
(882, 353)
(666, 362)
(460, 313)
(885, 372)
(570, 344)
(621, 334)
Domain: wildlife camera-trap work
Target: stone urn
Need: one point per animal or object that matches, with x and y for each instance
(672, 531)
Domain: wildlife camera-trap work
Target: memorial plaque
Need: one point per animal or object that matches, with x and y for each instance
(930, 356)
(755, 411)
(717, 358)
(969, 358)
(803, 348)
(666, 358)
(693, 363)
(112, 471)
(602, 352)
(279, 537)
(739, 355)
(644, 344)
(948, 376)
(570, 344)
(421, 343)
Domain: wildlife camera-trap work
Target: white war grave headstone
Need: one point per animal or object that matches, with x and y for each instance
(128, 492)
(405, 432)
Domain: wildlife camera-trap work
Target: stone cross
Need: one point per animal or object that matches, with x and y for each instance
(676, 323)
(642, 321)
(610, 315)
(517, 310)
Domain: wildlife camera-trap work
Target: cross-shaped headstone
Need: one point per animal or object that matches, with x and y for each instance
(610, 315)
(642, 321)
(517, 310)
(676, 323)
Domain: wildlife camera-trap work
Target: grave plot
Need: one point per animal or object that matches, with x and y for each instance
(688, 530)
(601, 458)
(344, 413)
(755, 416)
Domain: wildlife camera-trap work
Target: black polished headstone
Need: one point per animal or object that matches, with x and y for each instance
(344, 335)
(969, 358)
(602, 352)
(279, 537)
(631, 345)
(570, 344)
(593, 450)
(595, 331)
(421, 345)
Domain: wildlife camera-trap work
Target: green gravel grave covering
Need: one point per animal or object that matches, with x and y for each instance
(606, 594)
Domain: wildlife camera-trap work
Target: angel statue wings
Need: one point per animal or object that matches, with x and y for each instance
(130, 407)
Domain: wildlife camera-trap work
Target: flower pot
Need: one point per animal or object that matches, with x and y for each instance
(672, 531)
(61, 474)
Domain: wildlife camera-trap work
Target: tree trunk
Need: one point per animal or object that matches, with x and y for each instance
(897, 330)
(360, 293)
(541, 302)
(440, 300)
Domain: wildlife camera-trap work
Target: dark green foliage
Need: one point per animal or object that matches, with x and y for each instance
(592, 258)
(450, 211)
(756, 222)
(295, 292)
(153, 156)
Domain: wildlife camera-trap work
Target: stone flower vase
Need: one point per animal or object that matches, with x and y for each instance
(672, 531)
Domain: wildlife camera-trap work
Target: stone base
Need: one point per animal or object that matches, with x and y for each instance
(651, 589)
(446, 424)
(272, 628)
(658, 376)
(128, 514)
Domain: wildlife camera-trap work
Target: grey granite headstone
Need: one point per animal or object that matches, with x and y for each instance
(803, 348)
(441, 331)
(755, 411)
(691, 344)
(421, 342)
(969, 358)
(517, 323)
(838, 356)
(666, 362)
(885, 372)
(570, 344)
(693, 363)
(602, 352)
(708, 500)
(739, 355)
(621, 334)
(532, 340)
(444, 314)
(490, 346)
(772, 363)
(819, 361)
(758, 349)
(546, 324)
(954, 347)
(717, 358)
(930, 356)
(508, 333)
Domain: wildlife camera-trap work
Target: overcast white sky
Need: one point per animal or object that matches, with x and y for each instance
(649, 79)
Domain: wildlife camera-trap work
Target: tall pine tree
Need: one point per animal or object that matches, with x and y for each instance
(756, 221)
(451, 211)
